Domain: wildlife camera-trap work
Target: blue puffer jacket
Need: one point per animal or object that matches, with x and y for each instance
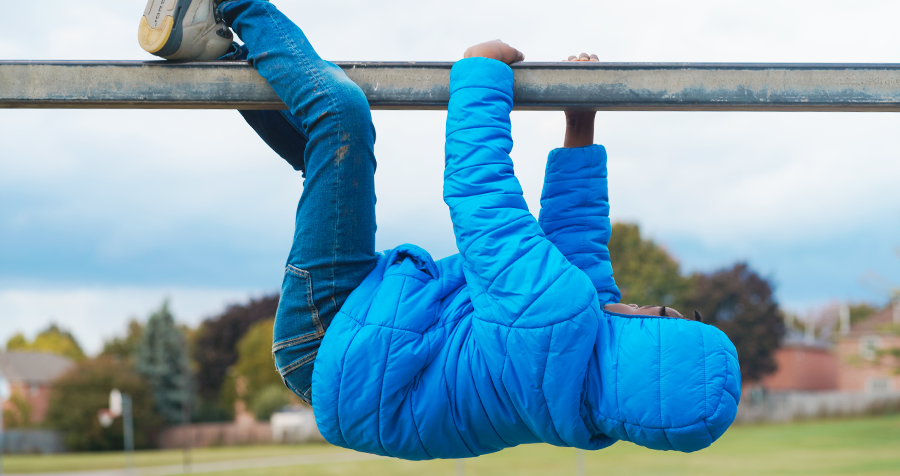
(507, 342)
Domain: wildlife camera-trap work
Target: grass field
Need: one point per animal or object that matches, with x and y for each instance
(866, 446)
(14, 464)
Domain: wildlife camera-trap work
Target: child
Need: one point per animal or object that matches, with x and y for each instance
(517, 339)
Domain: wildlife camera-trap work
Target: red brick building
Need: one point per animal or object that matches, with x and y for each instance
(30, 375)
(851, 364)
(860, 368)
(803, 368)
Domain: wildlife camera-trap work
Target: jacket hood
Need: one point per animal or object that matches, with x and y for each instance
(665, 383)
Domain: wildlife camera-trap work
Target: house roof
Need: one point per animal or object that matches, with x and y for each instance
(33, 367)
(877, 322)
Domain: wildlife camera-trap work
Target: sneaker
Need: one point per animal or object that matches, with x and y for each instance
(183, 30)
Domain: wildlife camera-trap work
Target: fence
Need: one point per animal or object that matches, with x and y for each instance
(202, 435)
(790, 406)
(32, 441)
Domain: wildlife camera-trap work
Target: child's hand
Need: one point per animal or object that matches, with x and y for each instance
(583, 57)
(497, 50)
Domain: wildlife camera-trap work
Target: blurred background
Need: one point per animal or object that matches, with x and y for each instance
(152, 264)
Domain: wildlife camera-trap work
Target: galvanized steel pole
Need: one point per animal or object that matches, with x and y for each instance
(2, 443)
(417, 86)
(128, 429)
(5, 394)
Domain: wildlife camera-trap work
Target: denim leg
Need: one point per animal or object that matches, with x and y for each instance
(280, 130)
(334, 239)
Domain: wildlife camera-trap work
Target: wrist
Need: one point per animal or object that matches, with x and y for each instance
(579, 129)
(580, 118)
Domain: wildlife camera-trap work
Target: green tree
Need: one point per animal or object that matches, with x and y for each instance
(269, 400)
(255, 365)
(161, 359)
(645, 273)
(861, 311)
(893, 293)
(19, 413)
(125, 348)
(53, 339)
(17, 342)
(214, 349)
(742, 304)
(891, 352)
(894, 304)
(77, 396)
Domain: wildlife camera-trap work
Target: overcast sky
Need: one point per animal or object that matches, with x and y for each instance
(103, 214)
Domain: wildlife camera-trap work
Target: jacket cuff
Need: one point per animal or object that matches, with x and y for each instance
(481, 73)
(575, 163)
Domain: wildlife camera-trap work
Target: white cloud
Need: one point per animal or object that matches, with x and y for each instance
(770, 177)
(96, 314)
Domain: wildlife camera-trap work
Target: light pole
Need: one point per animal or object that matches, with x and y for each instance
(579, 462)
(185, 407)
(120, 405)
(128, 427)
(5, 393)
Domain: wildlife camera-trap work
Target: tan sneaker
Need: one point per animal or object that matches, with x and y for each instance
(183, 30)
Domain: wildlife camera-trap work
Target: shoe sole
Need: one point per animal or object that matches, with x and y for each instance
(165, 38)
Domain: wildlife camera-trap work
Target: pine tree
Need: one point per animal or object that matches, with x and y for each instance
(125, 348)
(161, 359)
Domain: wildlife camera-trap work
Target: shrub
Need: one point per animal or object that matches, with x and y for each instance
(78, 395)
(269, 400)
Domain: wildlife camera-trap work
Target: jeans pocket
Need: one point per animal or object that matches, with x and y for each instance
(298, 332)
(298, 376)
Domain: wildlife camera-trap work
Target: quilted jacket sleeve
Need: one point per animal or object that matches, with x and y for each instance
(509, 262)
(575, 213)
(536, 315)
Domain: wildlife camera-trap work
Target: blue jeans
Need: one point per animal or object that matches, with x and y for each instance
(327, 134)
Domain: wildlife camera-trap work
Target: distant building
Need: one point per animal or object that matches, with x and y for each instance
(849, 363)
(842, 376)
(295, 424)
(30, 374)
(803, 367)
(859, 369)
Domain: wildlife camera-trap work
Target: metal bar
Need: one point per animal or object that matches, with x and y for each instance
(417, 86)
